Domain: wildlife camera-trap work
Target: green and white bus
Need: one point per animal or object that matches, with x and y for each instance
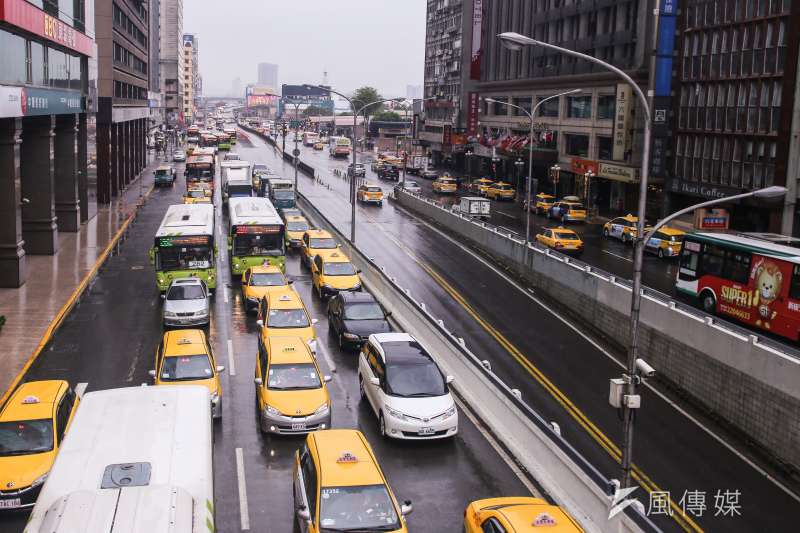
(256, 234)
(184, 245)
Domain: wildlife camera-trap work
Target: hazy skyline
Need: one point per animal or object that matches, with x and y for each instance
(358, 42)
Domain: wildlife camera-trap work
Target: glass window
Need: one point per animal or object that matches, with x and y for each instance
(362, 508)
(577, 145)
(75, 73)
(13, 66)
(57, 68)
(293, 376)
(605, 148)
(579, 106)
(737, 266)
(549, 108)
(22, 437)
(794, 287)
(186, 367)
(606, 104)
(38, 73)
(524, 103)
(713, 260)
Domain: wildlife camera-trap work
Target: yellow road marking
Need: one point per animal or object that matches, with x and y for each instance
(62, 313)
(612, 449)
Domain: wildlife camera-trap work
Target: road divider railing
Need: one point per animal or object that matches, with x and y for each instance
(709, 361)
(567, 477)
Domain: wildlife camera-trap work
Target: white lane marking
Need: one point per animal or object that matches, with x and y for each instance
(231, 361)
(506, 215)
(326, 356)
(497, 448)
(243, 512)
(225, 294)
(602, 350)
(618, 256)
(80, 389)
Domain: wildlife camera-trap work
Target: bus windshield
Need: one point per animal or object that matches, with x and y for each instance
(258, 244)
(185, 257)
(283, 194)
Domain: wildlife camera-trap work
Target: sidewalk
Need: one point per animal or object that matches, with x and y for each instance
(35, 310)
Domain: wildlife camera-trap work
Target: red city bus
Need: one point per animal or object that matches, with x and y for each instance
(754, 281)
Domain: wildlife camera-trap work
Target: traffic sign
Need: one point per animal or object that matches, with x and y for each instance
(296, 152)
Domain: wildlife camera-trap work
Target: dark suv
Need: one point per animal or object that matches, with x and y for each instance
(389, 173)
(354, 316)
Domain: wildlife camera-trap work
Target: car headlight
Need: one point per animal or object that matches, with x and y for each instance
(236, 265)
(312, 343)
(450, 412)
(396, 414)
(322, 409)
(39, 480)
(271, 410)
(351, 336)
(170, 314)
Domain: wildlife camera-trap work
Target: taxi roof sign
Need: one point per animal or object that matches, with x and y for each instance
(285, 298)
(184, 340)
(347, 457)
(544, 519)
(30, 400)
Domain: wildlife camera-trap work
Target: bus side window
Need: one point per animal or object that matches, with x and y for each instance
(794, 287)
(690, 259)
(737, 266)
(713, 259)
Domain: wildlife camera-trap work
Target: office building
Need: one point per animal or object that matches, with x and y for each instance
(124, 87)
(413, 92)
(171, 60)
(189, 70)
(44, 107)
(268, 75)
(735, 109)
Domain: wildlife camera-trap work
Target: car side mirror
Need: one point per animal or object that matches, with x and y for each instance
(375, 381)
(314, 321)
(303, 514)
(220, 368)
(258, 381)
(326, 379)
(289, 282)
(358, 271)
(449, 379)
(406, 509)
(388, 314)
(151, 373)
(260, 323)
(163, 296)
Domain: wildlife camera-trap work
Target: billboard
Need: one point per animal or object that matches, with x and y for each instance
(477, 28)
(261, 100)
(302, 93)
(261, 91)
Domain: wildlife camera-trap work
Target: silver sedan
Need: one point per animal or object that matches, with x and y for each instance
(186, 303)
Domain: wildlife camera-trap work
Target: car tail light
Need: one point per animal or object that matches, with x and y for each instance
(559, 245)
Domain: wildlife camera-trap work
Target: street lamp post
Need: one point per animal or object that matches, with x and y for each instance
(587, 177)
(530, 116)
(519, 163)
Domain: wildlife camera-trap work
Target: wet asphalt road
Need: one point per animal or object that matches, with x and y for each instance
(110, 338)
(560, 373)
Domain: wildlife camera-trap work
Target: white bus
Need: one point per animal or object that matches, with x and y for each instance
(184, 245)
(135, 459)
(310, 138)
(255, 234)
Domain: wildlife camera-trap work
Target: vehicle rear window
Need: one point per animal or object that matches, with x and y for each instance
(264, 279)
(186, 292)
(297, 225)
(323, 243)
(339, 269)
(374, 189)
(186, 367)
(566, 236)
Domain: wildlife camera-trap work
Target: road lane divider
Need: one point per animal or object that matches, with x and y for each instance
(231, 361)
(566, 476)
(244, 513)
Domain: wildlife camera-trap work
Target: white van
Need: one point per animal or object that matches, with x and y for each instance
(136, 459)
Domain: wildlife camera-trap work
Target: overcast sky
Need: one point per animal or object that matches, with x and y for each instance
(359, 42)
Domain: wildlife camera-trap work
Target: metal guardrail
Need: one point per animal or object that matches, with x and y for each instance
(717, 322)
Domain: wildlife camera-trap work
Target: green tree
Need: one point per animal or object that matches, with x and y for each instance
(366, 95)
(387, 116)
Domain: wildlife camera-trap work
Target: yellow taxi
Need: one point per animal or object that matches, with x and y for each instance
(339, 486)
(445, 185)
(666, 242)
(296, 226)
(500, 191)
(517, 514)
(561, 239)
(543, 203)
(567, 211)
(257, 281)
(319, 146)
(622, 228)
(316, 242)
(290, 389)
(184, 357)
(480, 186)
(282, 314)
(196, 196)
(32, 425)
(369, 193)
(332, 273)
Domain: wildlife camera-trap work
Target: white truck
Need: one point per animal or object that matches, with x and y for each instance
(475, 206)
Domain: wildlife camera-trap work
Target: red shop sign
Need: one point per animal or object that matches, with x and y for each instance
(28, 17)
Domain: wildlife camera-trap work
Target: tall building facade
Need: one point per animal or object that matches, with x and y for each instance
(189, 73)
(268, 75)
(592, 140)
(122, 29)
(735, 109)
(45, 103)
(171, 60)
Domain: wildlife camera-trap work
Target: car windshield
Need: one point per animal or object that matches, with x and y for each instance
(566, 236)
(364, 311)
(295, 376)
(339, 269)
(267, 279)
(287, 318)
(411, 372)
(297, 225)
(160, 173)
(411, 184)
(186, 292)
(676, 238)
(323, 243)
(283, 195)
(26, 436)
(186, 367)
(362, 508)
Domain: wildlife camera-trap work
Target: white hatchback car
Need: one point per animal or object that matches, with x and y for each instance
(405, 388)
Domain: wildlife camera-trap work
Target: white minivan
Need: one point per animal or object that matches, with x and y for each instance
(405, 388)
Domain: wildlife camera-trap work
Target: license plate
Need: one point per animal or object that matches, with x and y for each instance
(300, 426)
(426, 431)
(8, 504)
